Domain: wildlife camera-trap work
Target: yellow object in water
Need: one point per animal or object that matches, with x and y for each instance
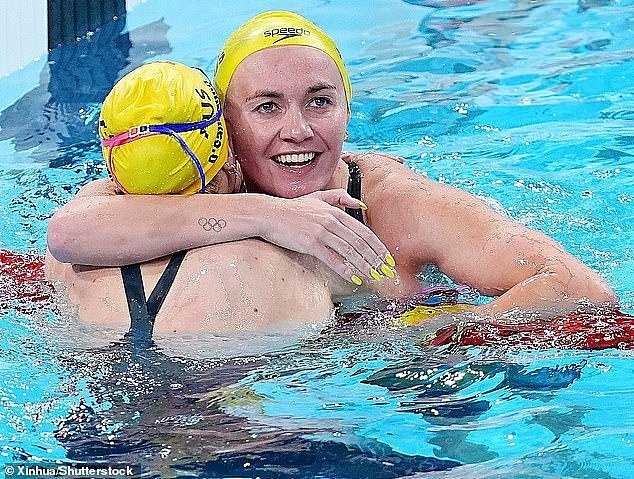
(169, 94)
(423, 313)
(275, 29)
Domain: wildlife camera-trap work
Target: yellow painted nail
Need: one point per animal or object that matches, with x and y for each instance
(387, 271)
(361, 204)
(390, 260)
(376, 275)
(356, 280)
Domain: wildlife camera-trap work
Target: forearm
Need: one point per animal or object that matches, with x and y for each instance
(554, 291)
(100, 228)
(119, 230)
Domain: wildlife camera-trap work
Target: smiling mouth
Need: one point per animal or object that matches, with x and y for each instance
(295, 160)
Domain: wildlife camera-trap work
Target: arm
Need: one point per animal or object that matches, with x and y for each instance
(474, 245)
(100, 228)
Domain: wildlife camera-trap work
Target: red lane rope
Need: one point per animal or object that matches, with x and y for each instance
(22, 276)
(574, 331)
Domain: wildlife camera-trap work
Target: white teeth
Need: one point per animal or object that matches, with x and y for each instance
(294, 158)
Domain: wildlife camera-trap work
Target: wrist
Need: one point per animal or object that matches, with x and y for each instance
(255, 213)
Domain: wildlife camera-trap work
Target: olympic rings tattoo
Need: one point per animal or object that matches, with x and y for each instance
(212, 224)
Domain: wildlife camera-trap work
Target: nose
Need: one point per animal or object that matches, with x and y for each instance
(295, 127)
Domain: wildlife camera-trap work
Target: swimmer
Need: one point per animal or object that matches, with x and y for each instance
(286, 95)
(162, 133)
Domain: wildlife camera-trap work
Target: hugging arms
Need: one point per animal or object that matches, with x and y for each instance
(426, 223)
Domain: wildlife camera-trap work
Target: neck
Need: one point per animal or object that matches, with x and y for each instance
(340, 177)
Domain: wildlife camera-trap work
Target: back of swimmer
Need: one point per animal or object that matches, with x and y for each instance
(162, 131)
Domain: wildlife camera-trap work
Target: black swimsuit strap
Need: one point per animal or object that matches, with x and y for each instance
(143, 312)
(135, 294)
(156, 299)
(354, 190)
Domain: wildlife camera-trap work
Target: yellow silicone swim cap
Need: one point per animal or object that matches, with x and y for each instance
(140, 110)
(274, 29)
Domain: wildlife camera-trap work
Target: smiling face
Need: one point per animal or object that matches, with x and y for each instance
(286, 112)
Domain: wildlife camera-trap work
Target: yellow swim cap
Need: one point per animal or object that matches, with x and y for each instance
(162, 131)
(274, 29)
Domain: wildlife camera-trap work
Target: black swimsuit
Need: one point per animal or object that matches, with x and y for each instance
(354, 190)
(143, 311)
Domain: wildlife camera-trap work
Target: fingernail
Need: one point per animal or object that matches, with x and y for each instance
(376, 275)
(356, 280)
(387, 271)
(390, 260)
(361, 204)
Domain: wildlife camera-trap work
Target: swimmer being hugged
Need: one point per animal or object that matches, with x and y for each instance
(286, 98)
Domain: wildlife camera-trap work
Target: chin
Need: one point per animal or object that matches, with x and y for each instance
(285, 185)
(294, 190)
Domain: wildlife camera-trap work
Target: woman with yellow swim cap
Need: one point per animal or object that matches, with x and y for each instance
(289, 128)
(286, 98)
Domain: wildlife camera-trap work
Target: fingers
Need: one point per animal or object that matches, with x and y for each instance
(359, 247)
(344, 244)
(335, 262)
(362, 232)
(354, 262)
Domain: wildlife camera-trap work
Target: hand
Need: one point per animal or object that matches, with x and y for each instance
(313, 225)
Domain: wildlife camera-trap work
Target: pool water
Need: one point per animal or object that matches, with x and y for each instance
(528, 104)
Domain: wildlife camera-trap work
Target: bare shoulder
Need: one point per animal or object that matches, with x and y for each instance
(377, 168)
(356, 156)
(386, 178)
(100, 187)
(417, 217)
(388, 182)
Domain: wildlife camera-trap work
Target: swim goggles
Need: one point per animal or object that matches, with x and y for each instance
(171, 129)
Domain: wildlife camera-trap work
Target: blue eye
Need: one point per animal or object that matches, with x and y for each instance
(320, 102)
(268, 107)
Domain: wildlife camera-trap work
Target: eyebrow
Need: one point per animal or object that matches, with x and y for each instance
(319, 87)
(264, 93)
(275, 94)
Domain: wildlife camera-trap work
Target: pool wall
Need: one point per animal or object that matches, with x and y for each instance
(33, 27)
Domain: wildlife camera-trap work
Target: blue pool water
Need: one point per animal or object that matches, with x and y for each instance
(528, 104)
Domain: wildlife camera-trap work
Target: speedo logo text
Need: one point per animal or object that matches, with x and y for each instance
(286, 32)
